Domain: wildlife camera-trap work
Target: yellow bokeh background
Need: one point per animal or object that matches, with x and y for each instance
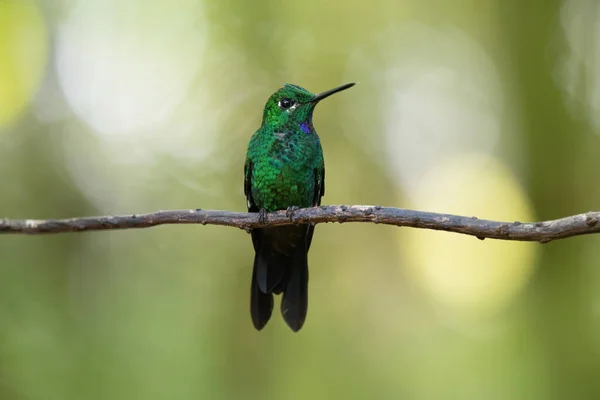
(23, 51)
(459, 271)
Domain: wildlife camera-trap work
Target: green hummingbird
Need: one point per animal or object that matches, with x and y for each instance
(284, 170)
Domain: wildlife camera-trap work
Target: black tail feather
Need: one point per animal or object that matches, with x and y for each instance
(261, 304)
(280, 266)
(294, 304)
(270, 269)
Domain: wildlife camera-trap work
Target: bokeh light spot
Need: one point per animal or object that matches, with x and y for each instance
(23, 54)
(125, 68)
(461, 272)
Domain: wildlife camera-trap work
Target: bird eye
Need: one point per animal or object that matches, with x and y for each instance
(284, 104)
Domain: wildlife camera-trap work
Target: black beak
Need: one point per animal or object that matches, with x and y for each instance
(328, 93)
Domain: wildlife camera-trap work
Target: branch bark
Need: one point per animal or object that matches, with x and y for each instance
(543, 232)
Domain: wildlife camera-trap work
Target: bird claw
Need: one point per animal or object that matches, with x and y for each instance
(262, 216)
(290, 212)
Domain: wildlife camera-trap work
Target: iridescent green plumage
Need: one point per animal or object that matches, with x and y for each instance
(284, 168)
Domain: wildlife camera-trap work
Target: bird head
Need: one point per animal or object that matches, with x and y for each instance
(292, 106)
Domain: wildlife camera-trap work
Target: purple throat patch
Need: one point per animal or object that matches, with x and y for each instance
(305, 126)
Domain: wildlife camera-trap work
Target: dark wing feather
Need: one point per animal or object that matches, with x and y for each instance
(319, 192)
(252, 207)
(322, 184)
(248, 188)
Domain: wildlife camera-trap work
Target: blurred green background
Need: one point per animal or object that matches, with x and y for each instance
(488, 108)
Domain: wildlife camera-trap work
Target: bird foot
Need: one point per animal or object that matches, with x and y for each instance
(290, 212)
(262, 216)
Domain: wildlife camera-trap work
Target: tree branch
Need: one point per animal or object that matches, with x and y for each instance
(543, 232)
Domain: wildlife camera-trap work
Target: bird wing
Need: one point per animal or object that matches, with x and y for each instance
(319, 193)
(319, 185)
(248, 186)
(252, 207)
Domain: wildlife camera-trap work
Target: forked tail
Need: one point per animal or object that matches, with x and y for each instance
(280, 266)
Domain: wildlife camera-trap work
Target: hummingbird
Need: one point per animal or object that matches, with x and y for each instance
(284, 170)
